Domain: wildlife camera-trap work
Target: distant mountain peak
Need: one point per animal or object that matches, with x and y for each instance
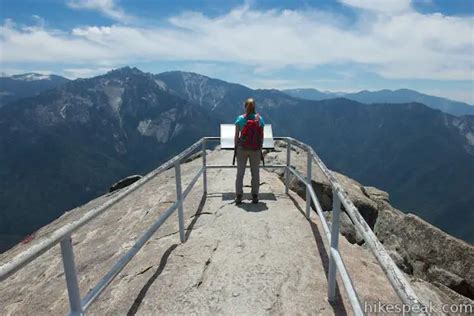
(311, 94)
(186, 73)
(132, 74)
(127, 70)
(192, 76)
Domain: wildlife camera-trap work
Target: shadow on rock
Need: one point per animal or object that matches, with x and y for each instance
(253, 208)
(196, 217)
(164, 259)
(138, 300)
(230, 196)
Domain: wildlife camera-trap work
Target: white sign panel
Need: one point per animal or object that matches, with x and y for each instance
(228, 131)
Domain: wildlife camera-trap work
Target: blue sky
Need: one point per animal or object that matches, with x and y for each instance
(344, 45)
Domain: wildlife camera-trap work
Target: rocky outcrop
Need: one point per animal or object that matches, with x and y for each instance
(417, 247)
(427, 252)
(125, 182)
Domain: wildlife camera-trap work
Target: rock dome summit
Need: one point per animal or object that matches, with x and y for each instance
(261, 258)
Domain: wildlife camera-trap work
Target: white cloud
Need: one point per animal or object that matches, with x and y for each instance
(394, 42)
(387, 6)
(42, 71)
(106, 7)
(36, 44)
(39, 20)
(265, 83)
(73, 73)
(6, 72)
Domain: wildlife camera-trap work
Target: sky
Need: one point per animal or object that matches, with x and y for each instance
(335, 45)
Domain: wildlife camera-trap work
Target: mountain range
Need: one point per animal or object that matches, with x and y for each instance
(31, 84)
(21, 86)
(423, 157)
(388, 96)
(68, 144)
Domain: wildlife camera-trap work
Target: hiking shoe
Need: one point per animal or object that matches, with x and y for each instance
(238, 199)
(255, 199)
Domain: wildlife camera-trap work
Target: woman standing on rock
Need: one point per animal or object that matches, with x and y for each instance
(248, 142)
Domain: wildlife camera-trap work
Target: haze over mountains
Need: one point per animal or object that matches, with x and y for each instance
(68, 144)
(388, 96)
(26, 85)
(31, 84)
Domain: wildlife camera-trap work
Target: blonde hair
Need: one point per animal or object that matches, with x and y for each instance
(249, 106)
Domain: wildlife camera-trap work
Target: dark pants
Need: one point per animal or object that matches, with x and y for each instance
(242, 156)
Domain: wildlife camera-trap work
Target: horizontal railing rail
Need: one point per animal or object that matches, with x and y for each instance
(62, 235)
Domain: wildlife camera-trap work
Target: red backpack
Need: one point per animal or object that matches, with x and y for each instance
(251, 136)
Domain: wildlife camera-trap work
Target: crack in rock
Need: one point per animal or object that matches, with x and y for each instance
(267, 231)
(143, 271)
(276, 306)
(164, 236)
(222, 206)
(206, 266)
(202, 213)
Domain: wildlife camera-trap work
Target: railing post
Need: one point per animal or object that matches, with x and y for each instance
(288, 164)
(204, 165)
(71, 277)
(179, 199)
(336, 210)
(309, 160)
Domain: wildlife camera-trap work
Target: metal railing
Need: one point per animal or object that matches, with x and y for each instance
(62, 235)
(396, 278)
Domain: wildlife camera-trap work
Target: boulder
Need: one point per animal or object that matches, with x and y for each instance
(125, 182)
(348, 230)
(376, 194)
(427, 252)
(367, 207)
